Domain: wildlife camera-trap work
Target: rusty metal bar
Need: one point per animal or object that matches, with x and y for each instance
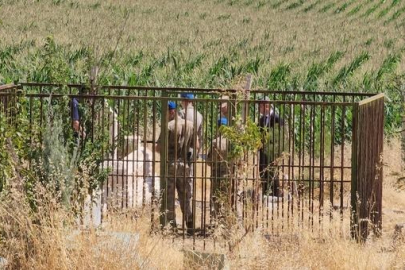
(208, 90)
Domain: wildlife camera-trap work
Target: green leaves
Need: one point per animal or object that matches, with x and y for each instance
(243, 138)
(279, 77)
(347, 71)
(317, 70)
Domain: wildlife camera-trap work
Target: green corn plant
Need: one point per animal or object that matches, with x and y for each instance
(212, 43)
(259, 5)
(134, 60)
(295, 5)
(223, 17)
(233, 2)
(219, 66)
(383, 12)
(279, 77)
(343, 7)
(372, 9)
(277, 4)
(311, 6)
(318, 70)
(243, 43)
(79, 54)
(327, 7)
(388, 66)
(395, 15)
(375, 80)
(193, 63)
(355, 10)
(53, 66)
(387, 9)
(146, 73)
(368, 80)
(253, 65)
(347, 71)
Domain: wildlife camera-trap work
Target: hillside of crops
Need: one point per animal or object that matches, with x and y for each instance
(50, 172)
(286, 44)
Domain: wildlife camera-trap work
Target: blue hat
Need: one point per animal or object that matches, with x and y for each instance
(187, 95)
(222, 121)
(172, 105)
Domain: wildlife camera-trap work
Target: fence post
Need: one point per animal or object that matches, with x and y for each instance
(163, 156)
(246, 97)
(354, 230)
(93, 79)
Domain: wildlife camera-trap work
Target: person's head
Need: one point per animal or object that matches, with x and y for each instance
(264, 106)
(171, 105)
(187, 98)
(224, 106)
(223, 121)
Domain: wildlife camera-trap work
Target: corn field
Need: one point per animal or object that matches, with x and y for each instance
(291, 45)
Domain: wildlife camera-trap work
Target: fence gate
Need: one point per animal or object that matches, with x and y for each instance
(367, 170)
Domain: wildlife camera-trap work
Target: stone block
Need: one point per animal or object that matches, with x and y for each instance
(197, 260)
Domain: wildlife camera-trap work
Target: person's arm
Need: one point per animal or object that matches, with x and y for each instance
(194, 139)
(158, 143)
(262, 123)
(197, 145)
(75, 115)
(199, 138)
(277, 119)
(200, 131)
(76, 126)
(211, 152)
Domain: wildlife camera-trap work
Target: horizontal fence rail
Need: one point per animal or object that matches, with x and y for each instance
(300, 177)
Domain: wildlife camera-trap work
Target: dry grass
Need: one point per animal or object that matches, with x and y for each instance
(50, 240)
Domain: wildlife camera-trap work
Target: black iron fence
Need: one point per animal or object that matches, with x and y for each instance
(317, 153)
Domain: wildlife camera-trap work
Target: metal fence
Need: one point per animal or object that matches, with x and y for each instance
(319, 156)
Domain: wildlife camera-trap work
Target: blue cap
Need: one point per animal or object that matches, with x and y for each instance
(187, 95)
(222, 121)
(172, 105)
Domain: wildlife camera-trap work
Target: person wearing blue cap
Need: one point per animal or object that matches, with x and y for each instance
(217, 159)
(179, 141)
(172, 105)
(269, 121)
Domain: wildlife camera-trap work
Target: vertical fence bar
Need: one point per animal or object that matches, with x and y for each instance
(163, 155)
(342, 158)
(332, 159)
(322, 165)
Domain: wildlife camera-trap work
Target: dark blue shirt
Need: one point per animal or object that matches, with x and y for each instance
(75, 110)
(270, 120)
